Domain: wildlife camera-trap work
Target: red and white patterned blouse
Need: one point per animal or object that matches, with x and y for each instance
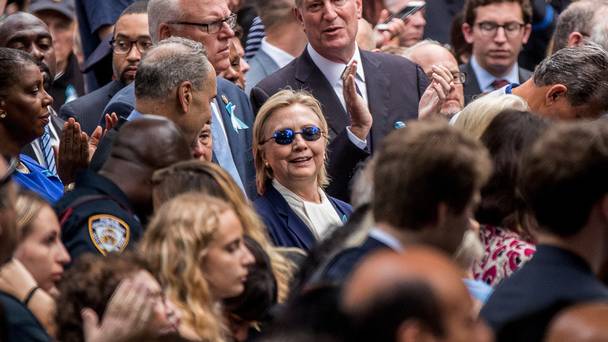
(505, 252)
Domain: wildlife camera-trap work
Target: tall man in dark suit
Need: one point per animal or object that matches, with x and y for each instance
(563, 183)
(391, 85)
(130, 40)
(497, 30)
(408, 208)
(210, 23)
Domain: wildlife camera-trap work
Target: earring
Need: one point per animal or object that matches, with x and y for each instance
(266, 165)
(2, 114)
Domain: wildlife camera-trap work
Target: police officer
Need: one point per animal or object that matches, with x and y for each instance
(105, 212)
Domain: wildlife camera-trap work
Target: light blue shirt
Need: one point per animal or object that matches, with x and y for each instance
(485, 79)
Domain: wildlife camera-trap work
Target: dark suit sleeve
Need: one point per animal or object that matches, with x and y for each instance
(343, 161)
(257, 97)
(423, 81)
(103, 150)
(66, 111)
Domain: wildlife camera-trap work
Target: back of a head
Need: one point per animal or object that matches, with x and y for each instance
(510, 134)
(564, 175)
(90, 283)
(168, 64)
(12, 62)
(276, 12)
(475, 117)
(159, 12)
(152, 142)
(428, 163)
(582, 69)
(582, 323)
(577, 17)
(138, 7)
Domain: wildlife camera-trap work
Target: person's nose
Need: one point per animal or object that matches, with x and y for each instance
(63, 257)
(418, 20)
(501, 35)
(247, 258)
(226, 31)
(299, 143)
(36, 52)
(329, 11)
(244, 66)
(47, 99)
(134, 55)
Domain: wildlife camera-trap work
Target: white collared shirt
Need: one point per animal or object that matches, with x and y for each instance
(333, 72)
(278, 55)
(485, 79)
(319, 217)
(385, 238)
(54, 141)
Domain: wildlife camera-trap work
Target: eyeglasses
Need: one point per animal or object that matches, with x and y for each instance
(213, 27)
(287, 136)
(123, 46)
(460, 77)
(489, 28)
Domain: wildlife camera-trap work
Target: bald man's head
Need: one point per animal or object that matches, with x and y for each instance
(24, 31)
(408, 276)
(581, 323)
(143, 146)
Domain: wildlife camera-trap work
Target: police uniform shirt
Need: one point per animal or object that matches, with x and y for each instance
(97, 217)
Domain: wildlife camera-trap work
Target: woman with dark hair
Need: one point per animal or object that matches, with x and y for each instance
(504, 233)
(24, 115)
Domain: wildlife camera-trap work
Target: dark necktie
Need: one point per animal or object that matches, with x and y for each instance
(499, 83)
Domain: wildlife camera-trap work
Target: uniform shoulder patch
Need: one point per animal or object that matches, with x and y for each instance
(108, 233)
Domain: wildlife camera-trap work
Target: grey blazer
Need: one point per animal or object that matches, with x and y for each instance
(260, 66)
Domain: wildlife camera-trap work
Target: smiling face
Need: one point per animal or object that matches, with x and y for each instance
(26, 105)
(227, 258)
(331, 26)
(42, 252)
(497, 53)
(300, 162)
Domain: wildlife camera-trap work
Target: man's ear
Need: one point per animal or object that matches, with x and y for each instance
(467, 32)
(604, 207)
(575, 39)
(442, 214)
(185, 96)
(527, 32)
(164, 31)
(554, 93)
(359, 8)
(298, 14)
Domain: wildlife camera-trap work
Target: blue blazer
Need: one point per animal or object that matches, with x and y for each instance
(284, 226)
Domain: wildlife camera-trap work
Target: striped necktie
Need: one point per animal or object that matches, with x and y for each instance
(47, 150)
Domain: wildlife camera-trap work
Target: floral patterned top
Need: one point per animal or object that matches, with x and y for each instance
(505, 252)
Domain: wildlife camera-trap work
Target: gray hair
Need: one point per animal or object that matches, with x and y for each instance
(407, 53)
(587, 17)
(583, 70)
(169, 63)
(159, 12)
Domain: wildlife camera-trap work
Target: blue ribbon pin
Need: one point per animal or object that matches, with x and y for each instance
(237, 123)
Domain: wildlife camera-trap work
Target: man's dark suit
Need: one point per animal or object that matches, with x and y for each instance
(394, 87)
(239, 140)
(522, 306)
(472, 88)
(88, 109)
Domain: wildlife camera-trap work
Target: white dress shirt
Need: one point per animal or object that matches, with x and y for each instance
(54, 141)
(278, 55)
(485, 79)
(386, 239)
(319, 217)
(333, 72)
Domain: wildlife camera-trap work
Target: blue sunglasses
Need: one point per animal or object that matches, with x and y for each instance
(287, 136)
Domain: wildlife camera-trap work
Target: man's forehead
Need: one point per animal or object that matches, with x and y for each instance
(11, 31)
(508, 11)
(197, 9)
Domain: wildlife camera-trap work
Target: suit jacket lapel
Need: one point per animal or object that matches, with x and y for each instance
(313, 80)
(471, 87)
(377, 85)
(298, 229)
(234, 139)
(268, 64)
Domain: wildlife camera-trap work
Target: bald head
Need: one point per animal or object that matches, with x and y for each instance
(26, 32)
(407, 277)
(582, 323)
(152, 142)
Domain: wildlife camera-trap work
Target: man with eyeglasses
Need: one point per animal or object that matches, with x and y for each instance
(497, 29)
(210, 23)
(129, 41)
(441, 67)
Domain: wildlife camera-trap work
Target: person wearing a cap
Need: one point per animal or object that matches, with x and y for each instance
(130, 40)
(59, 16)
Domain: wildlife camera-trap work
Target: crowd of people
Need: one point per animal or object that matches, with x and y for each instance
(303, 170)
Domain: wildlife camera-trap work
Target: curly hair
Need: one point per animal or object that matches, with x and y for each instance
(209, 178)
(175, 241)
(90, 283)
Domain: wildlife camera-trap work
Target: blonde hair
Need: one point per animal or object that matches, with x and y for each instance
(209, 178)
(476, 117)
(174, 243)
(283, 99)
(27, 208)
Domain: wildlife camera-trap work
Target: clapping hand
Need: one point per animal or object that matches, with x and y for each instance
(360, 117)
(435, 95)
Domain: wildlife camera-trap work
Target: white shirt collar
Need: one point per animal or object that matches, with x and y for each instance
(278, 55)
(485, 79)
(332, 70)
(385, 238)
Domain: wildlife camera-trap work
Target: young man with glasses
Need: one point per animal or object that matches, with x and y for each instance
(129, 41)
(497, 29)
